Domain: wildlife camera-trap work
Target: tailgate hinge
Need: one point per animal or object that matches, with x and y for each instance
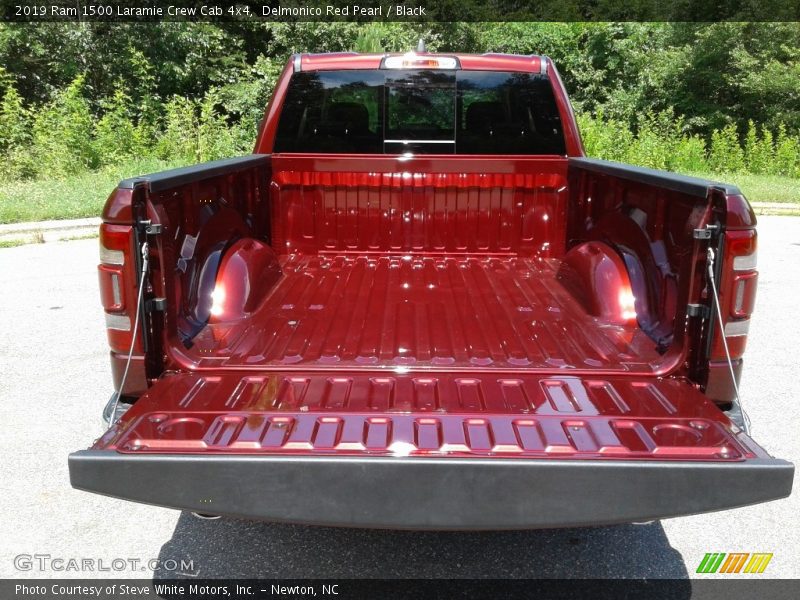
(149, 228)
(698, 310)
(705, 233)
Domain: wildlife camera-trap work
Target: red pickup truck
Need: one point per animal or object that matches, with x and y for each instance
(418, 305)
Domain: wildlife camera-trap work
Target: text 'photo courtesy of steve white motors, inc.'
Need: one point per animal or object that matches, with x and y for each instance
(81, 590)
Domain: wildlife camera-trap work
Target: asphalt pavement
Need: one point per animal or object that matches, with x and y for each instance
(54, 380)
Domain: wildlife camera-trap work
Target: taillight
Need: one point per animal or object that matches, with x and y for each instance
(412, 60)
(737, 292)
(117, 275)
(111, 287)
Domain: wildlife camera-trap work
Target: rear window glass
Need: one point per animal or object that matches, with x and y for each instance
(332, 111)
(418, 111)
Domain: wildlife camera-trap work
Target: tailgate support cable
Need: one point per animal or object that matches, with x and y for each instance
(118, 393)
(715, 298)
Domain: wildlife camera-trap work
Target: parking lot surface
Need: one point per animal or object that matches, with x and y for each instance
(54, 380)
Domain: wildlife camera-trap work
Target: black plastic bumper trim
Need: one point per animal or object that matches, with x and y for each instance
(430, 493)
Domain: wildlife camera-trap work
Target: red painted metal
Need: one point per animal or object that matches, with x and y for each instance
(200, 221)
(738, 213)
(347, 227)
(572, 136)
(422, 312)
(651, 227)
(248, 269)
(386, 414)
(718, 384)
(136, 383)
(479, 62)
(118, 207)
(269, 124)
(385, 204)
(595, 275)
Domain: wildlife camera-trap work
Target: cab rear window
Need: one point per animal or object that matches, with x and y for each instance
(420, 112)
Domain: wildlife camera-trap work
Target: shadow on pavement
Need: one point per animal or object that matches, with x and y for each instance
(229, 548)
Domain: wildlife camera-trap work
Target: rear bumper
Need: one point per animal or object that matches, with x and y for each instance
(431, 493)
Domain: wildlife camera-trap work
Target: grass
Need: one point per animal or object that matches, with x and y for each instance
(69, 198)
(761, 188)
(37, 237)
(13, 243)
(83, 236)
(85, 194)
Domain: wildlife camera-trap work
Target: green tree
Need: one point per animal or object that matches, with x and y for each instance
(14, 120)
(370, 39)
(63, 130)
(787, 153)
(758, 150)
(726, 155)
(178, 139)
(115, 133)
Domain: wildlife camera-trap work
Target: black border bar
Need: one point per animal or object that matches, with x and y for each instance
(419, 11)
(389, 589)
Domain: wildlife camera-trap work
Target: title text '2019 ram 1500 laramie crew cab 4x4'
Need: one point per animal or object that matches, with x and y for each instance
(418, 305)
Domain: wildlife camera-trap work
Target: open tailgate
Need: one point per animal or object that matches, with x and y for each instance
(442, 451)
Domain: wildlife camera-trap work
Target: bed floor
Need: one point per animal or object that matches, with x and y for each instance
(423, 312)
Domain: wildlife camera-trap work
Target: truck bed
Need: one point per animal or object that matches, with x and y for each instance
(383, 339)
(423, 311)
